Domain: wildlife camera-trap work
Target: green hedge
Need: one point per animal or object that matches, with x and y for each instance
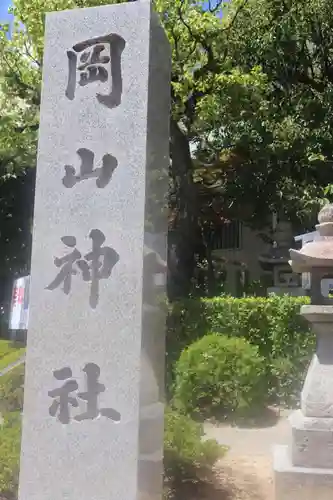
(272, 324)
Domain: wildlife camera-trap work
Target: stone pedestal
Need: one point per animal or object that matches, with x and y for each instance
(300, 483)
(305, 469)
(312, 441)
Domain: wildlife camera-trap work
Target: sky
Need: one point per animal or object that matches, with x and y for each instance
(4, 4)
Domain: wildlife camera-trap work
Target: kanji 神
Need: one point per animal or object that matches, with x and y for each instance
(87, 170)
(97, 59)
(67, 396)
(95, 265)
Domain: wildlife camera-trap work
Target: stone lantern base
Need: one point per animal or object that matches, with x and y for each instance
(300, 483)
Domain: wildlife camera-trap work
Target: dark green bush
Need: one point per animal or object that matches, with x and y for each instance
(272, 324)
(185, 451)
(219, 375)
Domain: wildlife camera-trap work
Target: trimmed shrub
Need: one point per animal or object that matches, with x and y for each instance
(185, 451)
(219, 375)
(272, 324)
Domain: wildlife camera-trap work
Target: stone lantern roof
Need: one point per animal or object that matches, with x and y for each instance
(316, 254)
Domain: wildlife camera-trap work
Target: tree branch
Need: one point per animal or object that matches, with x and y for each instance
(238, 11)
(30, 55)
(217, 6)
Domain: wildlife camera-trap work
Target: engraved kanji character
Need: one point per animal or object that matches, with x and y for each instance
(87, 170)
(66, 264)
(62, 398)
(94, 388)
(97, 59)
(95, 265)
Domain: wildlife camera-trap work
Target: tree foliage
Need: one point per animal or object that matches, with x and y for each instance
(251, 111)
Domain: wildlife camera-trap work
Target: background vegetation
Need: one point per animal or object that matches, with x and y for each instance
(250, 133)
(273, 326)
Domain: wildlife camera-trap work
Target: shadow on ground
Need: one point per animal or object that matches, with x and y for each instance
(267, 417)
(229, 480)
(264, 418)
(201, 489)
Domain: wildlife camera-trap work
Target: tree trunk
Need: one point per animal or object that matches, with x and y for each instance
(211, 285)
(182, 241)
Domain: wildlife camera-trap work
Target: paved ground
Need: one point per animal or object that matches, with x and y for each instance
(246, 472)
(251, 440)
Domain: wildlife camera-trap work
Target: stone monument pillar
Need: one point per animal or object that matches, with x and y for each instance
(93, 407)
(304, 470)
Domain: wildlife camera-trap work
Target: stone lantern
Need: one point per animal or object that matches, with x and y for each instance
(275, 261)
(306, 466)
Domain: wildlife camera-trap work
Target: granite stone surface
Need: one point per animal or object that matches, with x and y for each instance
(312, 441)
(317, 393)
(93, 408)
(295, 483)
